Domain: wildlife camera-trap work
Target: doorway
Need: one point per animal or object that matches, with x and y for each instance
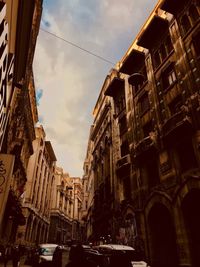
(191, 214)
(162, 243)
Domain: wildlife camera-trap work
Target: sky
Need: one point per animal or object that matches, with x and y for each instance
(68, 79)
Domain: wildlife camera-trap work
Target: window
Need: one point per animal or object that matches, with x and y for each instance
(186, 25)
(163, 51)
(142, 78)
(144, 103)
(169, 45)
(175, 105)
(41, 142)
(86, 170)
(196, 42)
(171, 77)
(147, 128)
(124, 148)
(120, 106)
(168, 77)
(122, 125)
(157, 59)
(193, 13)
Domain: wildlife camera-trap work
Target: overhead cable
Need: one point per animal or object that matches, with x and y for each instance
(77, 46)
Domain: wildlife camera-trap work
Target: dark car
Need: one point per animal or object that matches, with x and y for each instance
(117, 255)
(95, 256)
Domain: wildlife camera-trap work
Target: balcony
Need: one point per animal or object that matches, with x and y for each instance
(172, 6)
(136, 78)
(156, 26)
(127, 65)
(175, 126)
(123, 166)
(117, 84)
(145, 148)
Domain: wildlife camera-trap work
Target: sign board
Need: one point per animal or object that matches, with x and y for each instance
(6, 169)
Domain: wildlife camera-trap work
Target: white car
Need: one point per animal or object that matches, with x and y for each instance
(115, 250)
(46, 252)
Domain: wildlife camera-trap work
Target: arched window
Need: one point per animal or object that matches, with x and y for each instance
(40, 154)
(41, 142)
(193, 13)
(185, 22)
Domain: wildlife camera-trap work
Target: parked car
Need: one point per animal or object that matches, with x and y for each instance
(45, 253)
(95, 256)
(117, 255)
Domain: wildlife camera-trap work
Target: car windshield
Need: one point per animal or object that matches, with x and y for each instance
(47, 251)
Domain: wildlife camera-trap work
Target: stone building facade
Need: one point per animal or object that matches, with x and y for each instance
(38, 196)
(77, 197)
(104, 179)
(88, 192)
(20, 22)
(61, 214)
(155, 102)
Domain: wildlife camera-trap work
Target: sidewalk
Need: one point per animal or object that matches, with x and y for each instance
(9, 264)
(65, 259)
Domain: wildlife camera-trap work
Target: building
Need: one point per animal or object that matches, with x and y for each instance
(61, 214)
(103, 137)
(38, 196)
(155, 100)
(88, 192)
(77, 197)
(20, 22)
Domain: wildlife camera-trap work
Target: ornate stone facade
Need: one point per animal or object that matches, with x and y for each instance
(155, 135)
(61, 216)
(38, 196)
(21, 19)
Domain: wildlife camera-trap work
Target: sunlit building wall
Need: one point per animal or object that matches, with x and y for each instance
(77, 205)
(61, 217)
(38, 196)
(20, 22)
(155, 142)
(88, 192)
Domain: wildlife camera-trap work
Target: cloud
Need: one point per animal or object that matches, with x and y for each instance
(71, 78)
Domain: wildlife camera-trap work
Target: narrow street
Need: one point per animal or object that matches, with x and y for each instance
(100, 133)
(22, 261)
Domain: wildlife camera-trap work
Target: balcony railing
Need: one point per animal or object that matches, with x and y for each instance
(123, 161)
(145, 145)
(177, 124)
(123, 165)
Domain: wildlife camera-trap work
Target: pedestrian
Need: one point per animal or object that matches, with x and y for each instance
(78, 259)
(6, 254)
(121, 260)
(35, 257)
(16, 256)
(57, 257)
